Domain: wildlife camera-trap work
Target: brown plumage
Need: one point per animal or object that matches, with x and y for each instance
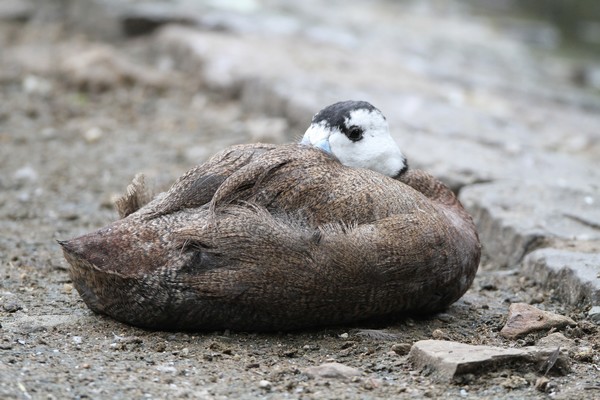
(265, 237)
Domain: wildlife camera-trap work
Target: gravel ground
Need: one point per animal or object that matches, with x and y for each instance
(67, 149)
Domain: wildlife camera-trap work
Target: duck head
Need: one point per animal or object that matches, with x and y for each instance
(357, 134)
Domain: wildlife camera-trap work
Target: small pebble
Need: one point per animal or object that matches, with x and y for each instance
(347, 345)
(67, 288)
(93, 135)
(48, 133)
(438, 334)
(537, 299)
(584, 354)
(36, 85)
(371, 383)
(541, 383)
(264, 384)
(445, 317)
(344, 335)
(401, 349)
(26, 173)
(12, 307)
(167, 369)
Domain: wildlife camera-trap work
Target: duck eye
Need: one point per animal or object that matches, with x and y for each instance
(354, 133)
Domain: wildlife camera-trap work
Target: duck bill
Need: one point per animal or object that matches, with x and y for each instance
(317, 137)
(323, 145)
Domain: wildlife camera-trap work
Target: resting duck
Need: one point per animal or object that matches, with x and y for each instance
(263, 237)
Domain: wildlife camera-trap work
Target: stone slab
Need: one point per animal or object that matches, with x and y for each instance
(446, 360)
(516, 217)
(574, 276)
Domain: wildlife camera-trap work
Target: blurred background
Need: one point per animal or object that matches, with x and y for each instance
(176, 80)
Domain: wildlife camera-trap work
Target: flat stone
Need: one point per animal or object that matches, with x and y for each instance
(332, 370)
(574, 276)
(446, 360)
(555, 340)
(516, 217)
(524, 318)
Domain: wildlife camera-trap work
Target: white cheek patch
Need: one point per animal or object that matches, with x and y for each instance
(376, 151)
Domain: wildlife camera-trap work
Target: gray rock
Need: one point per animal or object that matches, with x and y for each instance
(594, 314)
(446, 360)
(332, 370)
(555, 340)
(264, 384)
(15, 10)
(12, 307)
(401, 349)
(517, 217)
(574, 276)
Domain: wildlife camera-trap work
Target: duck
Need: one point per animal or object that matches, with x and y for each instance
(333, 230)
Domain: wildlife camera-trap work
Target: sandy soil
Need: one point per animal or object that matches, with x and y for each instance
(66, 151)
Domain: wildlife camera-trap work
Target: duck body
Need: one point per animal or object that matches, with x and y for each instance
(267, 238)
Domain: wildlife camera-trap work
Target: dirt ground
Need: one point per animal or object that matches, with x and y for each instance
(67, 149)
